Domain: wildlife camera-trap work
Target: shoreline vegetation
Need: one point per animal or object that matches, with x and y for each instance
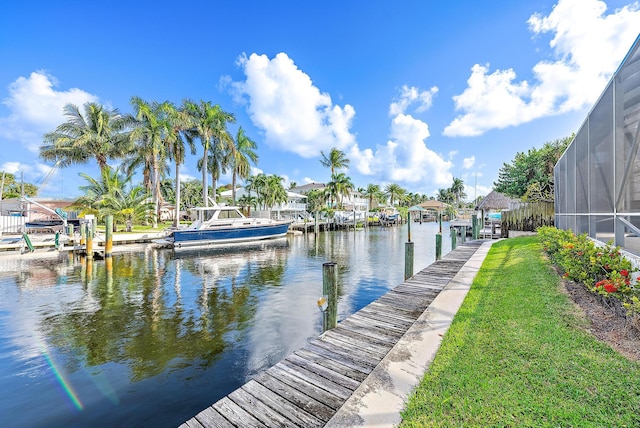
(520, 353)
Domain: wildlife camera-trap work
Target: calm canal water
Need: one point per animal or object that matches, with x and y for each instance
(160, 335)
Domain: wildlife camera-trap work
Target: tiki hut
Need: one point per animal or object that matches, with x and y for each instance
(492, 206)
(495, 202)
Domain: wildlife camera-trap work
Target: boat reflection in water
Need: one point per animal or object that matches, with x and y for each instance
(151, 338)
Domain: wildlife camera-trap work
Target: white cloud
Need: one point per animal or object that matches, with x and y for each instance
(587, 46)
(410, 95)
(467, 163)
(298, 117)
(293, 113)
(35, 107)
(405, 158)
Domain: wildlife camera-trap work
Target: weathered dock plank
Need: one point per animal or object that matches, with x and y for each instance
(236, 414)
(297, 415)
(302, 400)
(210, 417)
(310, 385)
(258, 409)
(338, 366)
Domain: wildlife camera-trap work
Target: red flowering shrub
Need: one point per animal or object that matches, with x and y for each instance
(603, 269)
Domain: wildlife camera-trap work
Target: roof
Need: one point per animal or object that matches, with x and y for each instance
(434, 205)
(308, 187)
(496, 201)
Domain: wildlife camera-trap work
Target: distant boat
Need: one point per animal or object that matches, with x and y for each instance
(224, 225)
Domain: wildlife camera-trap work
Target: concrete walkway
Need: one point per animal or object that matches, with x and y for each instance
(378, 401)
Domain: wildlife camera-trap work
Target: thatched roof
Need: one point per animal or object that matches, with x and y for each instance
(496, 201)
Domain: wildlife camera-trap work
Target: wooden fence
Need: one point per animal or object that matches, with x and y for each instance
(527, 217)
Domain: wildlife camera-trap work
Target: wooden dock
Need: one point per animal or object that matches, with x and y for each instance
(308, 387)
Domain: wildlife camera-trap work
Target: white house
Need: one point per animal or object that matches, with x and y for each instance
(295, 206)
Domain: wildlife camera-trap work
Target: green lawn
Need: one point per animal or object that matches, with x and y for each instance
(516, 356)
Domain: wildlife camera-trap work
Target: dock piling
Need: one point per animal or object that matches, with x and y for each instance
(108, 245)
(408, 260)
(438, 246)
(330, 289)
(89, 239)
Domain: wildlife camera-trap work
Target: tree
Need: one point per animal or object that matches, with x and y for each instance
(180, 122)
(335, 160)
(394, 192)
(208, 123)
(374, 193)
(457, 190)
(191, 194)
(275, 191)
(113, 194)
(534, 170)
(445, 195)
(316, 199)
(10, 188)
(98, 134)
(340, 186)
(244, 151)
(152, 132)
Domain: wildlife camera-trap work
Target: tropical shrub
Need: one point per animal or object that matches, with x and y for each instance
(604, 270)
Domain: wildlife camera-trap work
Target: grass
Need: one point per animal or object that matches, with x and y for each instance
(138, 228)
(516, 355)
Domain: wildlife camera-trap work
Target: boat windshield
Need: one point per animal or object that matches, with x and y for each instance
(206, 214)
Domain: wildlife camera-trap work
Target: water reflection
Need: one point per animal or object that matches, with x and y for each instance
(151, 338)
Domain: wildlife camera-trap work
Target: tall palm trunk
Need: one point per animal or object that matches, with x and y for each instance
(205, 187)
(156, 193)
(176, 217)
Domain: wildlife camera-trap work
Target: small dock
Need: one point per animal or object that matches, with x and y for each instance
(310, 388)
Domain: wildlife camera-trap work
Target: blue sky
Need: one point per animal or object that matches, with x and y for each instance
(415, 92)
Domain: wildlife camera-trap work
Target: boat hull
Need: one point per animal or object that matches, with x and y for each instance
(227, 235)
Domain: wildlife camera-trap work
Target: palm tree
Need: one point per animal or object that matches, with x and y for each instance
(457, 189)
(249, 202)
(151, 133)
(316, 199)
(342, 185)
(244, 151)
(394, 192)
(191, 193)
(445, 195)
(112, 195)
(218, 161)
(276, 193)
(208, 123)
(373, 192)
(335, 160)
(180, 122)
(98, 134)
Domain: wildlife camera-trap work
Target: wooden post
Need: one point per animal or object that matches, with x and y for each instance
(408, 260)
(83, 233)
(454, 232)
(89, 237)
(330, 289)
(70, 230)
(108, 245)
(438, 246)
